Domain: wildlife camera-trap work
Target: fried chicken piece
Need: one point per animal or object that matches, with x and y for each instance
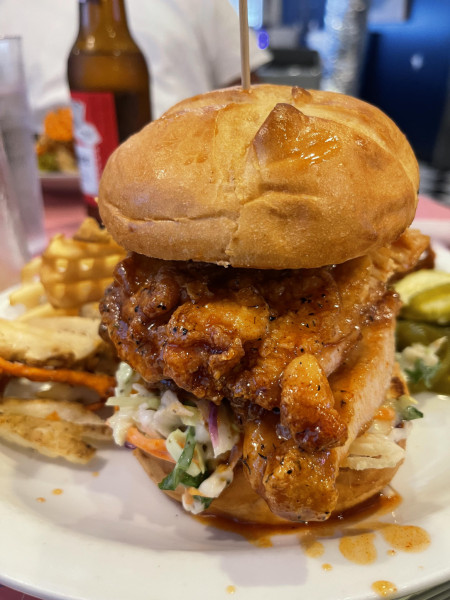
(300, 485)
(307, 406)
(231, 333)
(243, 334)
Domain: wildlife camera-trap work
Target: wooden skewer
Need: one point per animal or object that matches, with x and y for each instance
(245, 59)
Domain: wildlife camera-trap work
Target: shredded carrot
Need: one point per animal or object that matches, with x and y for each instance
(385, 413)
(102, 384)
(155, 447)
(58, 125)
(195, 492)
(188, 500)
(53, 416)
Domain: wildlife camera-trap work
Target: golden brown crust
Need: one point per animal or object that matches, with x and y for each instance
(239, 501)
(274, 177)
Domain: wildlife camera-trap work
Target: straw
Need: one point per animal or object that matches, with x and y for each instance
(245, 60)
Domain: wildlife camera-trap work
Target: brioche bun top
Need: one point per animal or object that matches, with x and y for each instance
(273, 177)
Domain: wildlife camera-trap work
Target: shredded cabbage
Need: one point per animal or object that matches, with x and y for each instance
(165, 416)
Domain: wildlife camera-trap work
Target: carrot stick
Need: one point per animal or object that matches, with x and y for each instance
(155, 447)
(102, 384)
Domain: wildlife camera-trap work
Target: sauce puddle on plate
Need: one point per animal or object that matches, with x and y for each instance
(307, 533)
(359, 549)
(356, 530)
(383, 588)
(312, 547)
(407, 538)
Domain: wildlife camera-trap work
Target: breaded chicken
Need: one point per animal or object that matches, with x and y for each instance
(276, 345)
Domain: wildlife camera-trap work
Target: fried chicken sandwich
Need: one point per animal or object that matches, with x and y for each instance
(253, 313)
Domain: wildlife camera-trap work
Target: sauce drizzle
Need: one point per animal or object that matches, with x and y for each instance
(407, 538)
(383, 588)
(359, 549)
(260, 535)
(356, 530)
(312, 547)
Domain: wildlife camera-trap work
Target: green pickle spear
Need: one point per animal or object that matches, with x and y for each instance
(430, 305)
(426, 312)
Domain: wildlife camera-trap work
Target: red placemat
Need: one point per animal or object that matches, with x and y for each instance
(430, 209)
(7, 593)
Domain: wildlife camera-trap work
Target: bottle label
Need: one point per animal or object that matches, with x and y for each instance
(96, 136)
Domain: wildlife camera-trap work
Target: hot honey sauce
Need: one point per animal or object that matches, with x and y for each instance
(307, 533)
(384, 588)
(356, 530)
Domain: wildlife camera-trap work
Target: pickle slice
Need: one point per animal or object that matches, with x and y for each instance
(416, 332)
(430, 305)
(420, 281)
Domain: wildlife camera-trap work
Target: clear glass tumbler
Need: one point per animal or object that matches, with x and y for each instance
(13, 249)
(17, 133)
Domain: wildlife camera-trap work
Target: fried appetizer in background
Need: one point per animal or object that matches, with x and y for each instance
(253, 312)
(55, 148)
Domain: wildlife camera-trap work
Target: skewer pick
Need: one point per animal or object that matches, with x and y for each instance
(245, 61)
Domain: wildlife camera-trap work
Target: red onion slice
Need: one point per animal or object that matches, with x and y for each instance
(212, 423)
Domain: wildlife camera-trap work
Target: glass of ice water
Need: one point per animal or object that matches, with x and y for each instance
(17, 134)
(13, 249)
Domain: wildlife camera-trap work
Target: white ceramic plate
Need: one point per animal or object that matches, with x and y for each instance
(112, 534)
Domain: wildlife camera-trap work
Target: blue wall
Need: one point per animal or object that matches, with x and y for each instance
(407, 72)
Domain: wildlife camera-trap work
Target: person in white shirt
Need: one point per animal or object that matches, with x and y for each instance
(191, 46)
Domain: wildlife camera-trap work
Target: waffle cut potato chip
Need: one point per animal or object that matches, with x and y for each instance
(67, 341)
(75, 271)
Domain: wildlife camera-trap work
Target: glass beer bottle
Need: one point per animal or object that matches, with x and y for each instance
(110, 89)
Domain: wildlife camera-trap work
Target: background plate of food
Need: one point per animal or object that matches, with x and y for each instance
(55, 152)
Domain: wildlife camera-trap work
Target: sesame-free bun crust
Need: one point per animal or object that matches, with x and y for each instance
(240, 502)
(273, 177)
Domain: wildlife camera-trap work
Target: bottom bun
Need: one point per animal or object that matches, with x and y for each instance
(240, 502)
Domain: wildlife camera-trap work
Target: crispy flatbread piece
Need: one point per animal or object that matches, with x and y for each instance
(92, 425)
(49, 437)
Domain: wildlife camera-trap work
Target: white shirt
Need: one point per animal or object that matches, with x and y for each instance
(191, 46)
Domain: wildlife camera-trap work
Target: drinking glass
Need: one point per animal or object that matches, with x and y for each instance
(17, 133)
(13, 249)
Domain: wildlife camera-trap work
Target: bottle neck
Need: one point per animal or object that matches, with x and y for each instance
(103, 21)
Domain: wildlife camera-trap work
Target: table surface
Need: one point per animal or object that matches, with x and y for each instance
(64, 213)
